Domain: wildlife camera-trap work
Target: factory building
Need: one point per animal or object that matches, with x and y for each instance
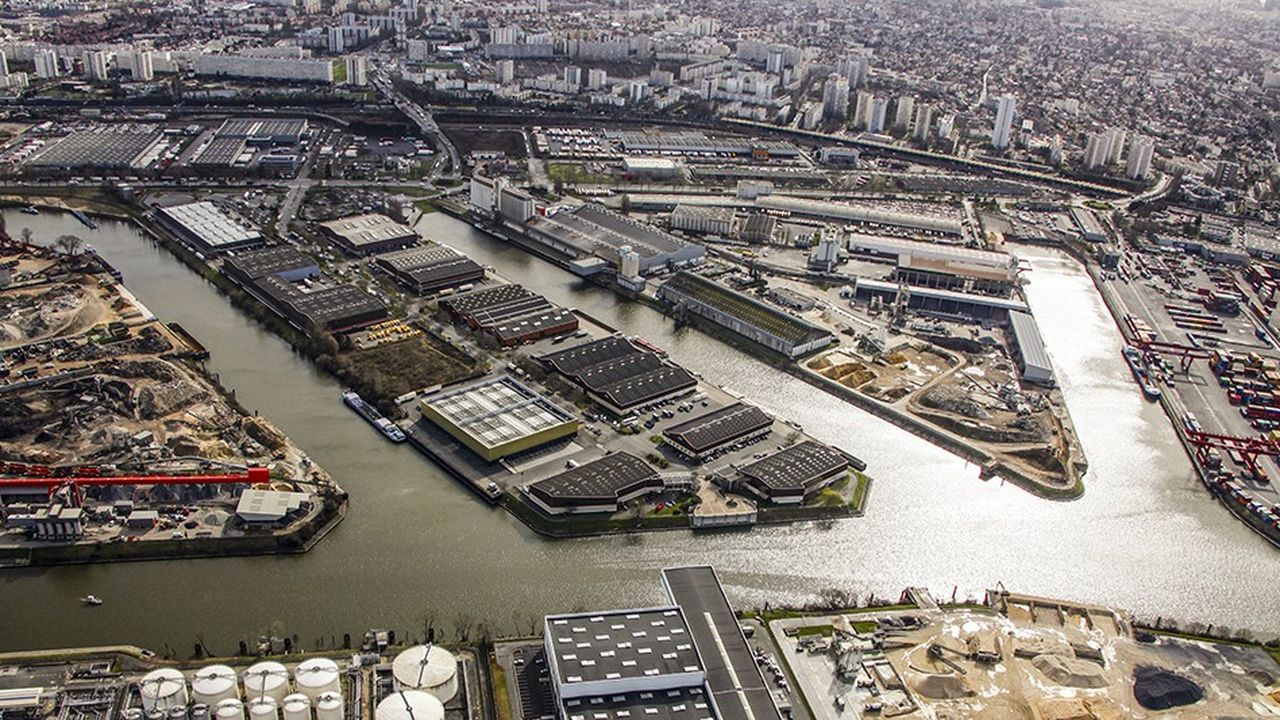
(947, 303)
(759, 229)
(264, 131)
(510, 313)
(205, 228)
(424, 270)
(484, 194)
(706, 220)
(619, 376)
(331, 308)
(515, 205)
(748, 317)
(650, 167)
(838, 212)
(593, 230)
(498, 417)
(793, 474)
(107, 148)
(698, 144)
(1028, 349)
(684, 660)
(935, 265)
(368, 234)
(269, 506)
(604, 485)
(707, 436)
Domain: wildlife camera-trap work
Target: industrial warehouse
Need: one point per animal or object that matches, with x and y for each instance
(750, 318)
(794, 474)
(593, 230)
(368, 234)
(332, 308)
(935, 265)
(684, 660)
(603, 485)
(510, 314)
(1029, 350)
(204, 227)
(430, 269)
(498, 417)
(706, 436)
(101, 148)
(907, 223)
(281, 261)
(936, 301)
(619, 376)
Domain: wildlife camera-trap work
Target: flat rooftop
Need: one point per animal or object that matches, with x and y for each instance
(796, 467)
(497, 411)
(710, 430)
(255, 264)
(368, 229)
(600, 481)
(732, 676)
(210, 225)
(101, 147)
(689, 703)
(744, 308)
(579, 357)
(593, 647)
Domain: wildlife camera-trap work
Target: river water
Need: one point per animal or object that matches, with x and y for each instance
(1145, 536)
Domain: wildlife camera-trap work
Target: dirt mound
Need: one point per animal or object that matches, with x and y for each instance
(953, 400)
(1159, 689)
(939, 687)
(263, 433)
(1071, 672)
(163, 398)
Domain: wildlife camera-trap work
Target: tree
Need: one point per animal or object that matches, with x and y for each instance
(25, 234)
(68, 245)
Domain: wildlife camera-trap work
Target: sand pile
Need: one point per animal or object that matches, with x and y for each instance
(939, 687)
(1159, 689)
(1071, 672)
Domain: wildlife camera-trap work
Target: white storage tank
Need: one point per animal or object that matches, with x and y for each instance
(213, 684)
(163, 690)
(429, 668)
(200, 711)
(317, 676)
(178, 713)
(409, 705)
(266, 679)
(229, 710)
(134, 713)
(297, 707)
(263, 708)
(330, 706)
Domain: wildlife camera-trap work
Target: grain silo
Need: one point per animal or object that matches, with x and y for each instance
(296, 707)
(263, 708)
(229, 710)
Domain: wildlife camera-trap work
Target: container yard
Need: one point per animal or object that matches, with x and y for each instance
(117, 445)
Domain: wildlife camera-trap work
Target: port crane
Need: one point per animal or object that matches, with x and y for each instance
(1144, 340)
(1248, 448)
(72, 485)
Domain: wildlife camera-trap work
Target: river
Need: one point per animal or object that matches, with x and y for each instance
(1145, 536)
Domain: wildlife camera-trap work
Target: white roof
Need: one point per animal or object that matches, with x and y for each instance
(268, 505)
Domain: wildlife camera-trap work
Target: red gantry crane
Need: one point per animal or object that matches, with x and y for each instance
(250, 476)
(1248, 448)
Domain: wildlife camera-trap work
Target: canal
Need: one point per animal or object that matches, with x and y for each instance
(1145, 536)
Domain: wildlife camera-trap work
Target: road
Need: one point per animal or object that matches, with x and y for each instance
(426, 124)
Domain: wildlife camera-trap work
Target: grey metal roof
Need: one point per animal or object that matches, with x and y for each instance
(724, 425)
(601, 480)
(1030, 345)
(616, 644)
(796, 467)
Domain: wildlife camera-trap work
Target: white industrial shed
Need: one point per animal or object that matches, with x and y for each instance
(1033, 359)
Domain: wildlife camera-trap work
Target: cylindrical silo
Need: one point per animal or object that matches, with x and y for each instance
(163, 690)
(200, 711)
(316, 676)
(429, 668)
(157, 715)
(213, 684)
(229, 710)
(330, 707)
(409, 705)
(297, 707)
(178, 713)
(266, 679)
(133, 713)
(263, 708)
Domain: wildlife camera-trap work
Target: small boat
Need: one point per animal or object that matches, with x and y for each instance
(30, 210)
(1134, 357)
(91, 600)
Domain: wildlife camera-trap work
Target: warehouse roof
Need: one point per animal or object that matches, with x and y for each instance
(368, 229)
(718, 427)
(602, 646)
(578, 357)
(599, 481)
(416, 257)
(952, 252)
(322, 305)
(1030, 344)
(745, 309)
(642, 388)
(255, 264)
(690, 703)
(210, 225)
(479, 300)
(601, 375)
(102, 147)
(796, 467)
(497, 410)
(529, 324)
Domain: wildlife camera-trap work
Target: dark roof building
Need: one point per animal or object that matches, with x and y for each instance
(620, 376)
(510, 313)
(600, 486)
(423, 270)
(326, 307)
(278, 260)
(795, 473)
(705, 436)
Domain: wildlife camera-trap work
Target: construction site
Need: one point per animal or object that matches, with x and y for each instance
(114, 441)
(1013, 656)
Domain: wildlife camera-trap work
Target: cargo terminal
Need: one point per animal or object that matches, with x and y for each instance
(935, 265)
(746, 316)
(498, 417)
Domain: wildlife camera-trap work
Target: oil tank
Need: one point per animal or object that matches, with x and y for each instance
(316, 676)
(213, 684)
(330, 707)
(200, 711)
(263, 708)
(157, 715)
(409, 705)
(297, 707)
(163, 690)
(178, 713)
(266, 679)
(429, 668)
(133, 713)
(229, 710)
